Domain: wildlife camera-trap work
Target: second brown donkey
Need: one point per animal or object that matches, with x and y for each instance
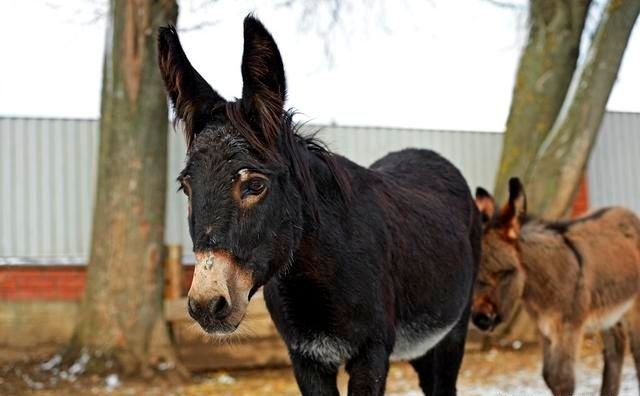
(573, 277)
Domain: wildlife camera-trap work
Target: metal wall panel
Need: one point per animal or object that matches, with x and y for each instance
(47, 174)
(476, 154)
(614, 167)
(176, 231)
(48, 167)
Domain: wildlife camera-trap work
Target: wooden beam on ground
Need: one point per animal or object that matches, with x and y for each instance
(255, 344)
(212, 355)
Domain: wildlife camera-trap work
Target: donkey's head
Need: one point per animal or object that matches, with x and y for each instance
(500, 281)
(245, 204)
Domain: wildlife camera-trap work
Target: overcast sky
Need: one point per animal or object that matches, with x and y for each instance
(403, 63)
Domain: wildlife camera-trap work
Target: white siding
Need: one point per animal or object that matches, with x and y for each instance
(614, 167)
(47, 174)
(476, 154)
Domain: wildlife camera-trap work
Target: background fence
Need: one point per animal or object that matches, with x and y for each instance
(48, 168)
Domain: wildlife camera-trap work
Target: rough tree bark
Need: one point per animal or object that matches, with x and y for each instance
(546, 67)
(122, 304)
(562, 158)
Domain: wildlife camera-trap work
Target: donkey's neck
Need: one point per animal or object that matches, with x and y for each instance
(549, 265)
(328, 226)
(331, 178)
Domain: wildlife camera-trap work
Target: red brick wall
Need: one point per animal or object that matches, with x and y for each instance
(51, 282)
(42, 282)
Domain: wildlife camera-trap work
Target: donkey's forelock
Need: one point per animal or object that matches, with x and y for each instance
(267, 150)
(291, 149)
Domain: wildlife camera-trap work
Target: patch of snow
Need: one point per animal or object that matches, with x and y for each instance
(529, 382)
(51, 363)
(112, 381)
(163, 366)
(31, 383)
(226, 379)
(79, 365)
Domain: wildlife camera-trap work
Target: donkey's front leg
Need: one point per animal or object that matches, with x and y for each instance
(368, 370)
(559, 361)
(314, 378)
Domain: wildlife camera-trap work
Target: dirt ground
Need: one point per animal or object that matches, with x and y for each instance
(496, 372)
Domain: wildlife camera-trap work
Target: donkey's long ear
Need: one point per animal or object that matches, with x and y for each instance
(192, 97)
(264, 87)
(486, 204)
(514, 212)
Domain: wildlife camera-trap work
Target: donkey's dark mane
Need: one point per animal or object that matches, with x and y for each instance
(294, 150)
(563, 226)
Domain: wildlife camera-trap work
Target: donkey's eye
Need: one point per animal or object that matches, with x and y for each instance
(483, 283)
(505, 273)
(255, 186)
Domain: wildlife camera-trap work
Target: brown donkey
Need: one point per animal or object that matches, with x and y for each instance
(573, 277)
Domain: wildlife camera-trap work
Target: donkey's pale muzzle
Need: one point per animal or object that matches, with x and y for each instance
(219, 292)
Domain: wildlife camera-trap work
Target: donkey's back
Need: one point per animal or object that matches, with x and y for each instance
(608, 244)
(434, 177)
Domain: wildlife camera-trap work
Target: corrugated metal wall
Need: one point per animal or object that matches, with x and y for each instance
(47, 175)
(476, 154)
(614, 167)
(176, 231)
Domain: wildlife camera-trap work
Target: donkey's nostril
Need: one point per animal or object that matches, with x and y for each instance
(220, 308)
(483, 321)
(193, 307)
(217, 309)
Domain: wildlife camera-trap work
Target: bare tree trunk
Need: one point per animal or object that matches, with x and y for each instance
(122, 304)
(546, 67)
(562, 158)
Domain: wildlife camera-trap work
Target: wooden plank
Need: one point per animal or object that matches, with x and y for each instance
(189, 332)
(173, 272)
(175, 309)
(268, 352)
(256, 344)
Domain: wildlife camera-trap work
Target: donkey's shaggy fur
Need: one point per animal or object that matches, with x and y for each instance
(573, 276)
(358, 265)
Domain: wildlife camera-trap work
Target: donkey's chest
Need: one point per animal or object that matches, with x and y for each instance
(415, 339)
(412, 341)
(323, 348)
